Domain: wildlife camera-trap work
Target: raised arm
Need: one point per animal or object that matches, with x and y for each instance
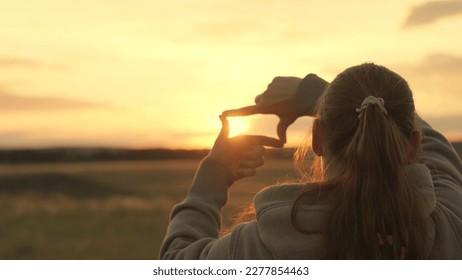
(195, 223)
(445, 166)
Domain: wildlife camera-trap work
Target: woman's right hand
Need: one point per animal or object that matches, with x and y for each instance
(241, 154)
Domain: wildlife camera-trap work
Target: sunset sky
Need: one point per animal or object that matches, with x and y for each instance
(154, 73)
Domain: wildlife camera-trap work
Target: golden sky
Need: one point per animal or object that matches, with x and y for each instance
(154, 73)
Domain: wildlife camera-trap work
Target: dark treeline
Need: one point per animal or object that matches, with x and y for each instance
(107, 154)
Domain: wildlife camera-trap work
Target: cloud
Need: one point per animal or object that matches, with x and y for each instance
(42, 137)
(445, 66)
(432, 11)
(440, 63)
(435, 81)
(10, 102)
(20, 62)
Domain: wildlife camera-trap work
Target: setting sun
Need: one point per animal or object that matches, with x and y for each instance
(237, 126)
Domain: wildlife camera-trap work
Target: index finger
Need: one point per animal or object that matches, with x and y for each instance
(244, 111)
(260, 140)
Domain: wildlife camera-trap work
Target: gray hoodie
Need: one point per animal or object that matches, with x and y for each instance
(194, 228)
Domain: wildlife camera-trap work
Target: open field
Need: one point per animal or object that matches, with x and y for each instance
(106, 209)
(102, 210)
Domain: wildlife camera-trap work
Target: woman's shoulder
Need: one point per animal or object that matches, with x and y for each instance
(291, 190)
(285, 195)
(283, 191)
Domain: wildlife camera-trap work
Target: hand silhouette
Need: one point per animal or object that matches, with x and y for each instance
(278, 99)
(288, 98)
(241, 154)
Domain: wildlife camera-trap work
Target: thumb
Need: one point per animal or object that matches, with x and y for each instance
(282, 132)
(283, 124)
(224, 133)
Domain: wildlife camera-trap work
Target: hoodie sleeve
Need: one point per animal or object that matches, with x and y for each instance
(193, 232)
(445, 166)
(195, 223)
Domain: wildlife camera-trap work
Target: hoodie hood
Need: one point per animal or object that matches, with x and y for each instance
(274, 206)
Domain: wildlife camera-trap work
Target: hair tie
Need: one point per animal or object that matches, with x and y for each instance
(372, 100)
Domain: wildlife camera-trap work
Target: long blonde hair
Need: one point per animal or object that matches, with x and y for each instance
(375, 211)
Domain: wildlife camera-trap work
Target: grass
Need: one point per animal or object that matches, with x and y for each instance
(106, 210)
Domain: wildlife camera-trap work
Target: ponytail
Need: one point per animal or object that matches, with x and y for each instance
(375, 211)
(374, 197)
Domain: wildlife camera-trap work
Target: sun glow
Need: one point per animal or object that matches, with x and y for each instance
(237, 126)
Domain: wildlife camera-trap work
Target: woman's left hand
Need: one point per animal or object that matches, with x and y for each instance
(241, 154)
